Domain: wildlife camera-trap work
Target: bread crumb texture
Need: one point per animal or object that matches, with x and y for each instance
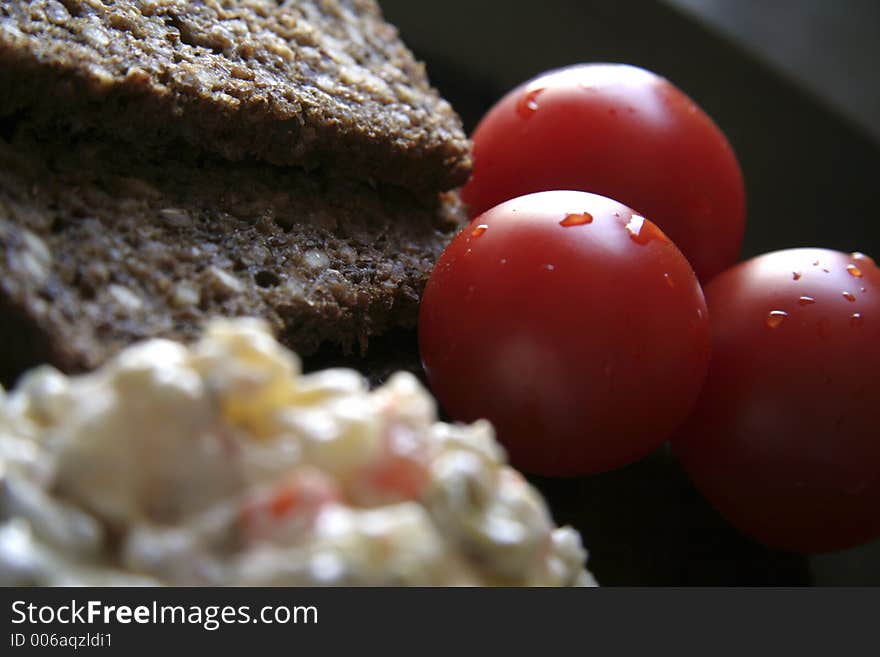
(98, 250)
(312, 83)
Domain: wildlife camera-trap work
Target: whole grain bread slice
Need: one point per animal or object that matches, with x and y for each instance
(313, 83)
(98, 249)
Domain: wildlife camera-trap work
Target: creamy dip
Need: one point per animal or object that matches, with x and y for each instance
(222, 464)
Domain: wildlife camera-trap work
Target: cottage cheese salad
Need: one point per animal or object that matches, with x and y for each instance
(222, 464)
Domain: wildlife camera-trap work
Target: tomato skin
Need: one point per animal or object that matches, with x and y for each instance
(784, 441)
(624, 133)
(583, 346)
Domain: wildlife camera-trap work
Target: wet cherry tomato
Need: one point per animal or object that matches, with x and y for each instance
(627, 134)
(785, 440)
(572, 324)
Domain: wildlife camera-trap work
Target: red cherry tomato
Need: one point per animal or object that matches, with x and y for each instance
(572, 324)
(785, 440)
(627, 134)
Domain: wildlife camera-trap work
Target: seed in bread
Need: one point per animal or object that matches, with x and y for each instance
(318, 84)
(98, 249)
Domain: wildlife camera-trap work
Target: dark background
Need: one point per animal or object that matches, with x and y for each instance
(828, 47)
(792, 84)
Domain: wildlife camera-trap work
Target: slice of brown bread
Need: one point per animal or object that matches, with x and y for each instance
(98, 249)
(313, 83)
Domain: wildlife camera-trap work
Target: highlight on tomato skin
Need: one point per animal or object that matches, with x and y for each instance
(570, 322)
(622, 132)
(784, 439)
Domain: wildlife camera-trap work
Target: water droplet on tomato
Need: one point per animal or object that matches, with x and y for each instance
(699, 313)
(549, 267)
(503, 261)
(796, 275)
(861, 289)
(858, 255)
(528, 103)
(849, 296)
(775, 318)
(577, 219)
(479, 230)
(806, 301)
(854, 271)
(856, 319)
(669, 281)
(642, 231)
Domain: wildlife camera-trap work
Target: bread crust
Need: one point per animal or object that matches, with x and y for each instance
(319, 84)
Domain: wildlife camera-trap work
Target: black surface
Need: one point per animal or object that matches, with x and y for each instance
(831, 48)
(645, 525)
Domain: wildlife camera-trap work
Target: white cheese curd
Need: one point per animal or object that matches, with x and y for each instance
(222, 464)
